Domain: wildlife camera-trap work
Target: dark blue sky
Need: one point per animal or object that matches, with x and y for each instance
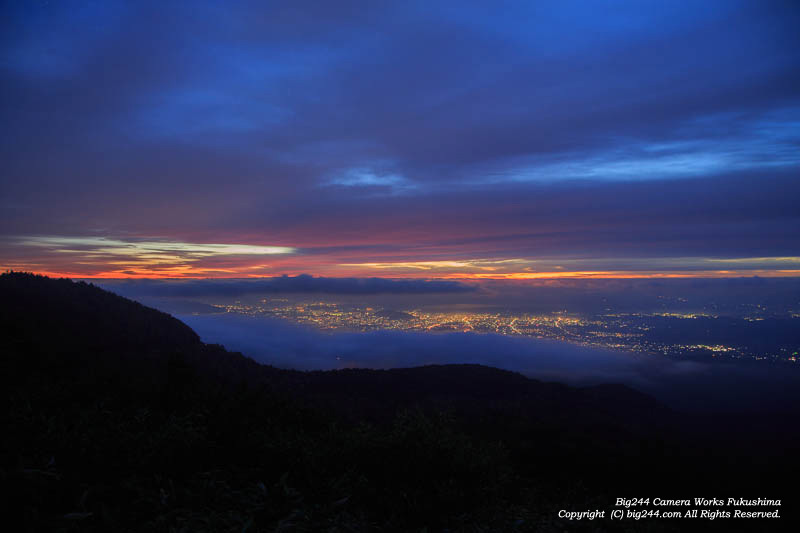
(403, 139)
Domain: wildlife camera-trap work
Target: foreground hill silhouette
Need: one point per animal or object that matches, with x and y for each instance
(116, 417)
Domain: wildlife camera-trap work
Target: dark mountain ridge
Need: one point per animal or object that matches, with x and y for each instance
(119, 418)
(82, 317)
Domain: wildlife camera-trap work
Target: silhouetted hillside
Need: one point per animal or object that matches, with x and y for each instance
(117, 418)
(82, 315)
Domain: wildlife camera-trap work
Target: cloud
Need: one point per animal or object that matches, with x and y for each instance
(683, 385)
(302, 284)
(286, 345)
(519, 132)
(141, 257)
(139, 248)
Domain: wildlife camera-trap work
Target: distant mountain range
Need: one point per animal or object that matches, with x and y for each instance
(118, 418)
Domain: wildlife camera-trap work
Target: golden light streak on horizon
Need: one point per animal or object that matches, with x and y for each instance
(189, 273)
(109, 258)
(626, 274)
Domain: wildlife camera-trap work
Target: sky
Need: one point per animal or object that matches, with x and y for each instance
(452, 140)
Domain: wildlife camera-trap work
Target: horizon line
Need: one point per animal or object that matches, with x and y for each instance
(512, 277)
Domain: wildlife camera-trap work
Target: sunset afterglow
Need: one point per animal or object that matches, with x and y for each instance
(465, 142)
(115, 258)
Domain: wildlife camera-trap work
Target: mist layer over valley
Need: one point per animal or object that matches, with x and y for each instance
(321, 324)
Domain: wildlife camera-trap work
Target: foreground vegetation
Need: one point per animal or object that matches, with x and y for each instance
(117, 418)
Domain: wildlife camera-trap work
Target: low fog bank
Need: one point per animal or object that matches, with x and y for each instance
(294, 285)
(683, 385)
(725, 297)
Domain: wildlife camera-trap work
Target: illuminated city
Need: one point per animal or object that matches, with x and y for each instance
(647, 333)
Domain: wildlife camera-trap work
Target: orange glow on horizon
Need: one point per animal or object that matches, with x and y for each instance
(158, 258)
(627, 275)
(189, 273)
